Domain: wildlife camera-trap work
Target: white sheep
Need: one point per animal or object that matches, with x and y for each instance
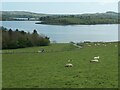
(94, 61)
(115, 45)
(69, 65)
(75, 44)
(96, 57)
(98, 44)
(39, 51)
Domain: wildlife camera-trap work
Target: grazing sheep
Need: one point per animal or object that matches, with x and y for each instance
(79, 46)
(104, 44)
(115, 45)
(42, 50)
(75, 44)
(96, 57)
(69, 65)
(39, 51)
(94, 61)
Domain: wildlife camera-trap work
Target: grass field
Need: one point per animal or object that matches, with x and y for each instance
(46, 70)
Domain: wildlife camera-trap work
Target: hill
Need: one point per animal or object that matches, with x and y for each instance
(108, 17)
(13, 15)
(31, 69)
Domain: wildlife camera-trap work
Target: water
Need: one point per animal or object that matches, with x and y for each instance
(64, 34)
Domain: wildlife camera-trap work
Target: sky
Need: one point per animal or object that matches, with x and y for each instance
(60, 1)
(52, 7)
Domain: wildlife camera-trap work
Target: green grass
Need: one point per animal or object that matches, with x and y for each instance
(46, 70)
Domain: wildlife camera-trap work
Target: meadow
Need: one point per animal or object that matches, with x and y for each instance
(25, 68)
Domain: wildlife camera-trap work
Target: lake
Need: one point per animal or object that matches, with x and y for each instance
(67, 33)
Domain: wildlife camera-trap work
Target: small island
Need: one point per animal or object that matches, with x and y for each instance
(81, 19)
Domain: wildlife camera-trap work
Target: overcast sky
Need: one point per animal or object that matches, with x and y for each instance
(88, 6)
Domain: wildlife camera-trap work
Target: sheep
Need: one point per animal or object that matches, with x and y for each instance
(69, 65)
(94, 61)
(79, 46)
(75, 44)
(39, 51)
(96, 57)
(42, 50)
(104, 44)
(115, 45)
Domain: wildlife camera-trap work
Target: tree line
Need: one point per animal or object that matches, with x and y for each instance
(108, 17)
(79, 19)
(21, 39)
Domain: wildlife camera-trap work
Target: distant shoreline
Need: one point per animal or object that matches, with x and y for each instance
(76, 24)
(37, 22)
(51, 19)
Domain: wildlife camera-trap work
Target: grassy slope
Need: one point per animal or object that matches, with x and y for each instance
(42, 70)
